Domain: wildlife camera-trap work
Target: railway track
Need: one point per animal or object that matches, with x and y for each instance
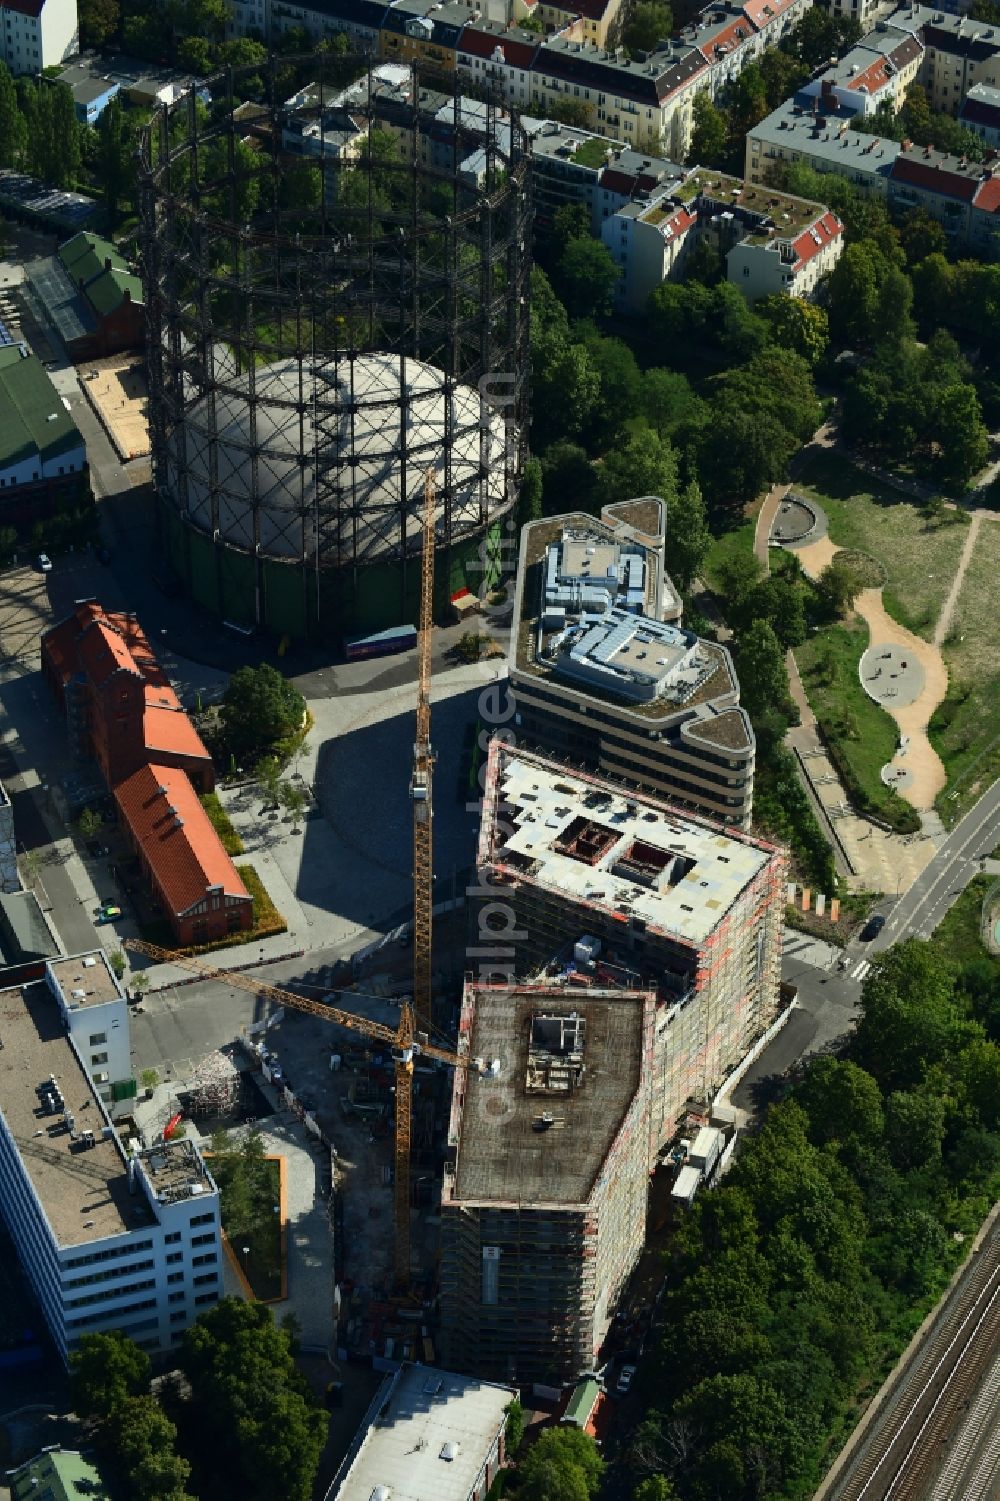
(905, 1451)
(972, 1470)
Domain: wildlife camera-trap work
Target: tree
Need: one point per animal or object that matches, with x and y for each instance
(688, 536)
(257, 1427)
(650, 22)
(566, 471)
(587, 277)
(144, 1440)
(565, 388)
(708, 133)
(842, 1101)
(914, 1128)
(529, 500)
(747, 101)
(783, 75)
(921, 236)
(668, 401)
(620, 394)
(654, 1488)
(62, 134)
(99, 22)
(259, 708)
(514, 1427)
(570, 112)
(855, 283)
(796, 324)
(908, 1019)
(761, 665)
(13, 126)
(961, 433)
(196, 54)
(293, 800)
(837, 588)
(118, 963)
(89, 823)
(105, 1370)
(115, 159)
(644, 464)
(563, 1465)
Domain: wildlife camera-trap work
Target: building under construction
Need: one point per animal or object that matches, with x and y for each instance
(571, 865)
(544, 1201)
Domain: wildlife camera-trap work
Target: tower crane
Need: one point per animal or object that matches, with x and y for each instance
(404, 1042)
(421, 778)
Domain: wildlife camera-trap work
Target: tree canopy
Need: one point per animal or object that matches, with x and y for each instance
(259, 709)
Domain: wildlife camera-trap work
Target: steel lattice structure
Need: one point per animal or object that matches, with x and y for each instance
(337, 294)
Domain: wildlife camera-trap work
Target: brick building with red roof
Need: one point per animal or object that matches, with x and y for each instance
(121, 709)
(119, 704)
(193, 878)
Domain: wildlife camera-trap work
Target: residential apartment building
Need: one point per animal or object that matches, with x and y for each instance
(109, 1238)
(771, 242)
(543, 1208)
(569, 165)
(43, 457)
(821, 141)
(359, 20)
(959, 52)
(492, 56)
(980, 113)
(571, 864)
(604, 673)
(37, 34)
(963, 196)
(194, 880)
(874, 74)
(423, 31)
(427, 1433)
(595, 21)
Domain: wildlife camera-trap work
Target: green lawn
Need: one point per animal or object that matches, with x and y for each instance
(737, 543)
(221, 823)
(965, 731)
(859, 735)
(920, 560)
(958, 936)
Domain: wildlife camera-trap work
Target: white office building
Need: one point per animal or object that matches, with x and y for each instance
(37, 33)
(110, 1237)
(95, 1013)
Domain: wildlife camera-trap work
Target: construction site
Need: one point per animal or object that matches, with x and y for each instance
(603, 883)
(543, 1208)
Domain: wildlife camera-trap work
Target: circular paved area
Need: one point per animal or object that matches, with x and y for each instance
(891, 675)
(797, 521)
(896, 776)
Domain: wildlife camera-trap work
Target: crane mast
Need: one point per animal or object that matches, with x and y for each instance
(421, 793)
(402, 1041)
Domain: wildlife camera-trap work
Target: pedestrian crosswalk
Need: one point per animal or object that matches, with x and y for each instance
(861, 970)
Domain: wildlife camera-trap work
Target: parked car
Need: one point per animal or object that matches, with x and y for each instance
(108, 913)
(872, 927)
(43, 563)
(625, 1378)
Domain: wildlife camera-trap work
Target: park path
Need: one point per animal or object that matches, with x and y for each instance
(948, 608)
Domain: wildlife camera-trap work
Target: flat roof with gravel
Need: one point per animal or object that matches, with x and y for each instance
(83, 1190)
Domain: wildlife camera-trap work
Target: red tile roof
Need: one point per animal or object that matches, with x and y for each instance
(763, 12)
(101, 653)
(167, 729)
(988, 197)
(173, 831)
(516, 53)
(728, 39)
(819, 234)
(927, 174)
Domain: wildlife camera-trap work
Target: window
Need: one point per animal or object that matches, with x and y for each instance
(208, 1298)
(175, 1277)
(176, 1297)
(202, 1219)
(206, 1277)
(175, 1256)
(98, 1058)
(97, 1038)
(208, 1259)
(203, 1240)
(172, 1238)
(178, 1317)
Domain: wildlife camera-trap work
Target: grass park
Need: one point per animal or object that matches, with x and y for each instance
(919, 555)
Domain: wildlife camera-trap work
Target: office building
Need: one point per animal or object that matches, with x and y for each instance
(543, 1209)
(603, 672)
(427, 1434)
(109, 1237)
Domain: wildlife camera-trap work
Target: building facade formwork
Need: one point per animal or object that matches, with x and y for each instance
(708, 940)
(323, 329)
(544, 1198)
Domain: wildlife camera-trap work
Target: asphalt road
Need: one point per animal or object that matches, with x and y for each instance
(920, 909)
